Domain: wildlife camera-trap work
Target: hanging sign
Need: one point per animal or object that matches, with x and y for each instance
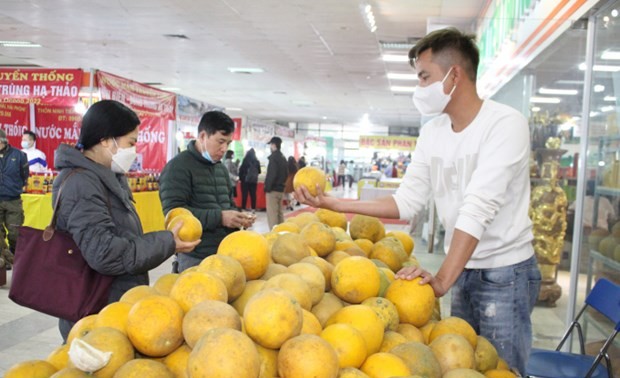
(378, 142)
(14, 120)
(154, 107)
(58, 87)
(55, 126)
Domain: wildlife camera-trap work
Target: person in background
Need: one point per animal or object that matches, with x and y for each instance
(395, 169)
(277, 172)
(342, 173)
(473, 159)
(388, 170)
(97, 207)
(349, 172)
(233, 172)
(288, 186)
(196, 180)
(14, 173)
(302, 162)
(36, 158)
(248, 174)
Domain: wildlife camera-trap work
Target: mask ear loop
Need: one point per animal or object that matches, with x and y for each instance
(444, 79)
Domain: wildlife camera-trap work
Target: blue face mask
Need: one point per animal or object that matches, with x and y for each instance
(206, 155)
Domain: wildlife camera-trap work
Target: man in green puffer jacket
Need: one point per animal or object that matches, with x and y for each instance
(198, 181)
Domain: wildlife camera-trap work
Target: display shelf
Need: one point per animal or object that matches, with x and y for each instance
(596, 255)
(605, 138)
(607, 191)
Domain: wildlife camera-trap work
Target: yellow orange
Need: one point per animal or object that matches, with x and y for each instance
(207, 315)
(195, 287)
(155, 325)
(310, 177)
(224, 352)
(384, 365)
(190, 231)
(365, 320)
(174, 213)
(250, 249)
(271, 317)
(307, 356)
(228, 270)
(355, 279)
(348, 343)
(114, 315)
(31, 369)
(413, 301)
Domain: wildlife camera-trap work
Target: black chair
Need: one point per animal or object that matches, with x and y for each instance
(604, 298)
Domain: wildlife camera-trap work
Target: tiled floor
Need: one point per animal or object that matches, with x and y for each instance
(25, 334)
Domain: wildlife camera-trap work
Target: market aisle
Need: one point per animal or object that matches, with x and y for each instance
(26, 334)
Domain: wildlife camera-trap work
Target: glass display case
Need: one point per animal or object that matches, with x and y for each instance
(601, 235)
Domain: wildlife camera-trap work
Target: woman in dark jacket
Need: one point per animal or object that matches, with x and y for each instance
(248, 175)
(288, 185)
(96, 205)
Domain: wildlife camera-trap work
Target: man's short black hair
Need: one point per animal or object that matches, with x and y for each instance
(32, 135)
(214, 121)
(449, 46)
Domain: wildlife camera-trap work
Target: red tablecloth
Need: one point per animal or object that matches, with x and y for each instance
(260, 197)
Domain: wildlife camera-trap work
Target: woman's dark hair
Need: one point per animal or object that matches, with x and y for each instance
(229, 154)
(292, 165)
(106, 119)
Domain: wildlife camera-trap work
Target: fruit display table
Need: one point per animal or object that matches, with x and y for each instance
(38, 210)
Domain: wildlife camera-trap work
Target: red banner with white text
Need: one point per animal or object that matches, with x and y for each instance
(154, 107)
(58, 87)
(14, 120)
(55, 126)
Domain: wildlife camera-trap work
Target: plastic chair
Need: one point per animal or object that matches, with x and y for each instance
(605, 298)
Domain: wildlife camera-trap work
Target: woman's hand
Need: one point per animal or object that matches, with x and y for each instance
(180, 245)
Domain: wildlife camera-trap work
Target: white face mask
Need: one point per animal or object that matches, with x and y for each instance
(431, 100)
(25, 144)
(123, 158)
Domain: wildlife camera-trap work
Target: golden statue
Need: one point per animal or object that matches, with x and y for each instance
(548, 206)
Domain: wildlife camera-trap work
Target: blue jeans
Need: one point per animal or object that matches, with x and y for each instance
(498, 302)
(186, 261)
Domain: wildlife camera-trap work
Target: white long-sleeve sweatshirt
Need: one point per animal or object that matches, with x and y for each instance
(479, 179)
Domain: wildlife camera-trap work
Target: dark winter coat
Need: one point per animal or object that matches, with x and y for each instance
(14, 171)
(96, 208)
(277, 172)
(191, 181)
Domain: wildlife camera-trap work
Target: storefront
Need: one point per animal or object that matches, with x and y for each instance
(563, 74)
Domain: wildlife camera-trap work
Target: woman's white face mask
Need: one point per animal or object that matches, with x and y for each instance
(431, 100)
(123, 158)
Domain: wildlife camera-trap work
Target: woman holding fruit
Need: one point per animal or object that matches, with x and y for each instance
(96, 205)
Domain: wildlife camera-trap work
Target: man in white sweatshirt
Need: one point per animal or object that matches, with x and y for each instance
(36, 158)
(473, 159)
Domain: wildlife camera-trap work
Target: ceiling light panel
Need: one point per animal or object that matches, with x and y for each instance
(562, 92)
(545, 100)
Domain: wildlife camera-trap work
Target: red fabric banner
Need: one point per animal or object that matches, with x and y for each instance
(58, 87)
(154, 107)
(55, 126)
(237, 132)
(14, 120)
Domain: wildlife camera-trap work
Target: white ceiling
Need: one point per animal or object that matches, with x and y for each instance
(316, 51)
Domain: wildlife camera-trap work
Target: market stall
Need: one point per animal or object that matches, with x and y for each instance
(38, 210)
(393, 149)
(48, 102)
